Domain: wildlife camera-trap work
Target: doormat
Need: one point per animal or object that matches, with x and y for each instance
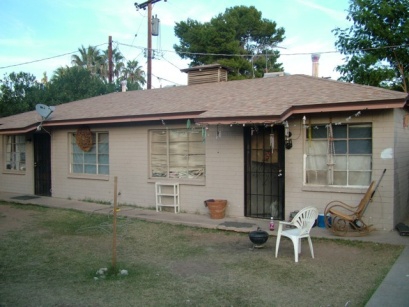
(25, 197)
(237, 224)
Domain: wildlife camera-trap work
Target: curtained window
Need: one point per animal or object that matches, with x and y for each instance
(339, 155)
(15, 153)
(94, 161)
(178, 153)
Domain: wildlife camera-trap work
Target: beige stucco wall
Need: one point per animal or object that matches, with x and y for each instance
(225, 170)
(380, 212)
(129, 162)
(401, 165)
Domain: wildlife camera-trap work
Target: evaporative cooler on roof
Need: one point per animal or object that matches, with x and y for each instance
(212, 73)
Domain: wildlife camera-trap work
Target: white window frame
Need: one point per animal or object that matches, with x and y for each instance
(350, 167)
(97, 158)
(15, 153)
(177, 154)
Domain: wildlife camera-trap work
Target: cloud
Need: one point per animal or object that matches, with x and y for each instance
(334, 14)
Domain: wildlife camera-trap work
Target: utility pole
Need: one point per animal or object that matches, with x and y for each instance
(149, 55)
(110, 59)
(149, 81)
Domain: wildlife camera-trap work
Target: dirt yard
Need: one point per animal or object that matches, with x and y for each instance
(49, 257)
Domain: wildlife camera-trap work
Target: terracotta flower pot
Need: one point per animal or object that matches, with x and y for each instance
(217, 208)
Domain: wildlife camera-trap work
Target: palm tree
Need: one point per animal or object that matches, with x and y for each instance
(90, 59)
(59, 72)
(44, 79)
(117, 64)
(134, 74)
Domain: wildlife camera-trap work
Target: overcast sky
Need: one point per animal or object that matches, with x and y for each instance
(50, 31)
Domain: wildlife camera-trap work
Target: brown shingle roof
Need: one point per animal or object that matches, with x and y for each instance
(274, 98)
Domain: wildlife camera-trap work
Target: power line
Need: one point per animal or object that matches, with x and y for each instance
(166, 80)
(203, 53)
(40, 60)
(145, 4)
(170, 62)
(45, 59)
(287, 54)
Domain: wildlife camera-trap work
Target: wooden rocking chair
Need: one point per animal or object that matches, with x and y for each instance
(346, 220)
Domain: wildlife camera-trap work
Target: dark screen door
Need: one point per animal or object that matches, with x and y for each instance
(264, 172)
(42, 164)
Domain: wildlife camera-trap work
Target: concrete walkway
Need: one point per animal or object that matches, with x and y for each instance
(394, 290)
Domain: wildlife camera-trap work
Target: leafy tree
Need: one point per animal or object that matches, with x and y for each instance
(75, 83)
(239, 38)
(60, 72)
(376, 45)
(19, 92)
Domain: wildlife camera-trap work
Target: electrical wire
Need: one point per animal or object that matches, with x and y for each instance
(166, 80)
(281, 54)
(45, 59)
(139, 54)
(40, 60)
(213, 54)
(170, 63)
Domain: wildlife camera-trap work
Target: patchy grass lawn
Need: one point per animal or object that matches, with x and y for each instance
(49, 257)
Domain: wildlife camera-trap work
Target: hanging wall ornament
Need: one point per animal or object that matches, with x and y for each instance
(83, 137)
(272, 143)
(218, 132)
(204, 134)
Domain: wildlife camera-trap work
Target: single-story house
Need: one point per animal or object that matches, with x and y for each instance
(268, 146)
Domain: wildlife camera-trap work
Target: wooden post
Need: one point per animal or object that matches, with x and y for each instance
(110, 59)
(114, 223)
(149, 79)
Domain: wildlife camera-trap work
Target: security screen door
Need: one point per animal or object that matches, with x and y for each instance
(264, 171)
(42, 164)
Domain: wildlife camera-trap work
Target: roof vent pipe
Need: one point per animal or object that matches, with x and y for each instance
(315, 57)
(123, 84)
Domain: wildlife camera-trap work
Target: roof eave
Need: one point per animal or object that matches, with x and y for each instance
(270, 119)
(108, 120)
(127, 119)
(264, 119)
(348, 106)
(318, 108)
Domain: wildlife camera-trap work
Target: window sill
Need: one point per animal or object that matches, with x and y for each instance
(334, 189)
(11, 172)
(88, 177)
(177, 180)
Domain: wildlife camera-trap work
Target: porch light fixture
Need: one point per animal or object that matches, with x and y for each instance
(288, 142)
(288, 134)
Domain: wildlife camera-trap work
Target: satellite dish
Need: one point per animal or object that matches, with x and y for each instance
(44, 111)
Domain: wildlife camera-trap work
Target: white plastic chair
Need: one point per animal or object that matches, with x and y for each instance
(303, 222)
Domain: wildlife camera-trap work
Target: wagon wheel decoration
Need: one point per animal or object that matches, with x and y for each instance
(83, 137)
(339, 225)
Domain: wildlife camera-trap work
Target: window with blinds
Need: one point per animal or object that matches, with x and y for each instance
(339, 155)
(94, 161)
(15, 153)
(177, 153)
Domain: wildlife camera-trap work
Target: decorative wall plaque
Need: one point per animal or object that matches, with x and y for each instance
(83, 137)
